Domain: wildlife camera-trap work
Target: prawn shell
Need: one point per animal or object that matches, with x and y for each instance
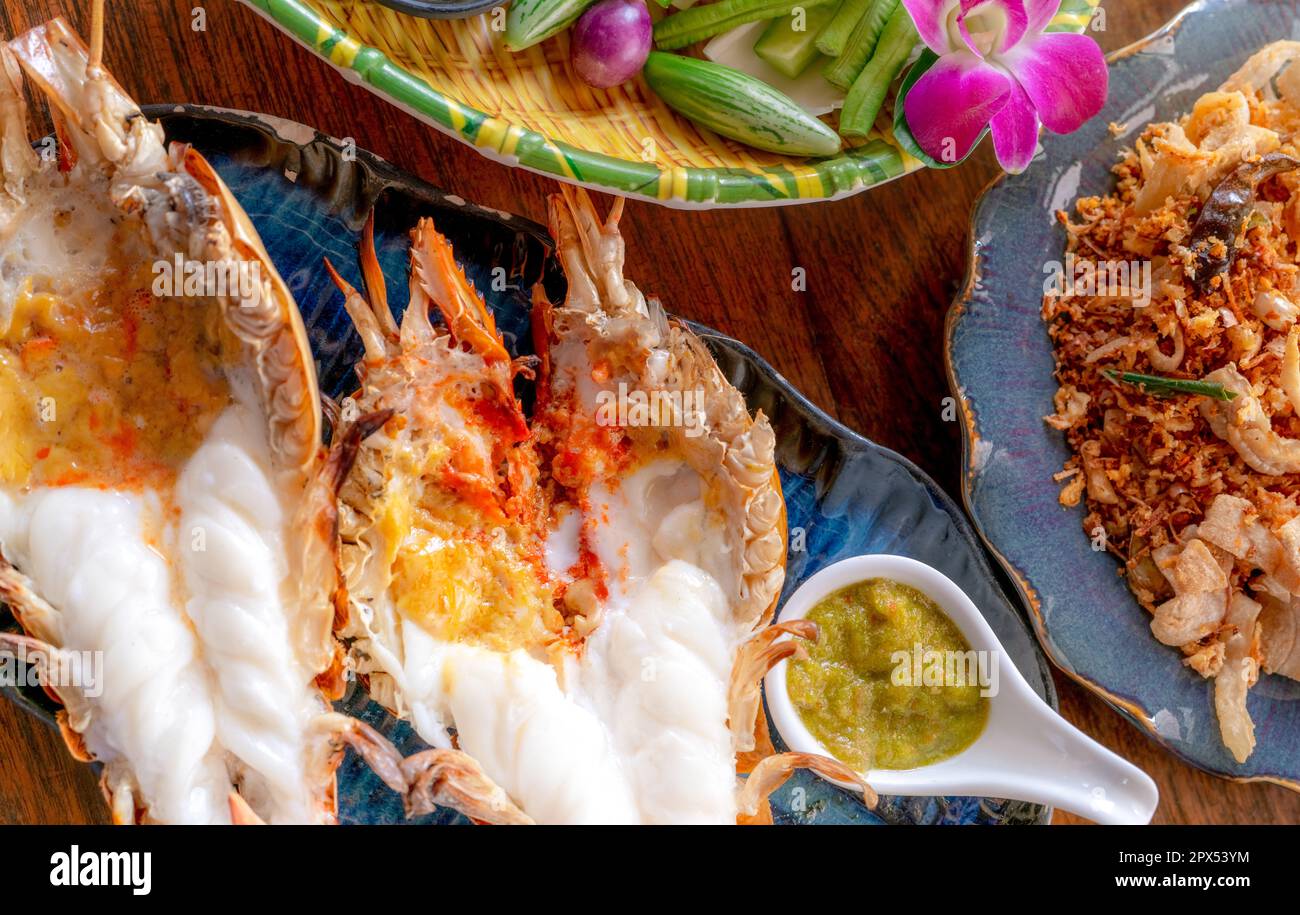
(99, 126)
(627, 336)
(290, 390)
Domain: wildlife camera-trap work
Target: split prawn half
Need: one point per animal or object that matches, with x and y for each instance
(167, 511)
(582, 598)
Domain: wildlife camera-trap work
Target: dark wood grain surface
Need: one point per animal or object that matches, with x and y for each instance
(864, 341)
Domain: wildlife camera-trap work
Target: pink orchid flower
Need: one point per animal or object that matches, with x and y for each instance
(997, 68)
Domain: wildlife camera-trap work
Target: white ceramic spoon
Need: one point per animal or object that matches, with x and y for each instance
(1026, 751)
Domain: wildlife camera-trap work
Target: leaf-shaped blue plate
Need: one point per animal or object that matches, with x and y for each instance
(845, 495)
(1000, 365)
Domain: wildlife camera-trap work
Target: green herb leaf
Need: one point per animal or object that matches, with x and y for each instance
(1167, 387)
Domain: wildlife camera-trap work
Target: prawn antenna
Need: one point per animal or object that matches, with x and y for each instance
(96, 38)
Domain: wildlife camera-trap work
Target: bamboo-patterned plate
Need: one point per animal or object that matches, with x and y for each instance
(844, 495)
(530, 110)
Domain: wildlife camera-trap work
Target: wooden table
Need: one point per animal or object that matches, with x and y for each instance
(864, 341)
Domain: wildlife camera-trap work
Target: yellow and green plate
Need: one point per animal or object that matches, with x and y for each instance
(529, 110)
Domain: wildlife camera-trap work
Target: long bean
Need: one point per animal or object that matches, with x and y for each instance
(862, 43)
(833, 38)
(868, 92)
(701, 22)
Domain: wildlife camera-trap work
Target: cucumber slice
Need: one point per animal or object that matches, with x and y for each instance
(788, 50)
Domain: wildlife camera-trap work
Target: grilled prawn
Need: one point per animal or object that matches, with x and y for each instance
(165, 501)
(583, 600)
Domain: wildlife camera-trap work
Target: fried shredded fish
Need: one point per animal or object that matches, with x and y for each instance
(1181, 399)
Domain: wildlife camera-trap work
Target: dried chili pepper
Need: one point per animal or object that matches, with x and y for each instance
(1224, 212)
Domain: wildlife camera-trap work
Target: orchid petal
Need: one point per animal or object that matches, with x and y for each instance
(1015, 131)
(931, 20)
(1008, 18)
(951, 104)
(1064, 75)
(1041, 13)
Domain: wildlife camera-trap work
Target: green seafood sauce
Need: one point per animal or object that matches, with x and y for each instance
(891, 683)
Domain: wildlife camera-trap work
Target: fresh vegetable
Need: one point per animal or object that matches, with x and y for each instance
(1165, 387)
(842, 71)
(737, 105)
(701, 22)
(834, 36)
(868, 92)
(788, 50)
(533, 21)
(610, 42)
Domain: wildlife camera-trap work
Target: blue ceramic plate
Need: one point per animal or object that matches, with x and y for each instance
(1000, 366)
(845, 495)
(439, 9)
